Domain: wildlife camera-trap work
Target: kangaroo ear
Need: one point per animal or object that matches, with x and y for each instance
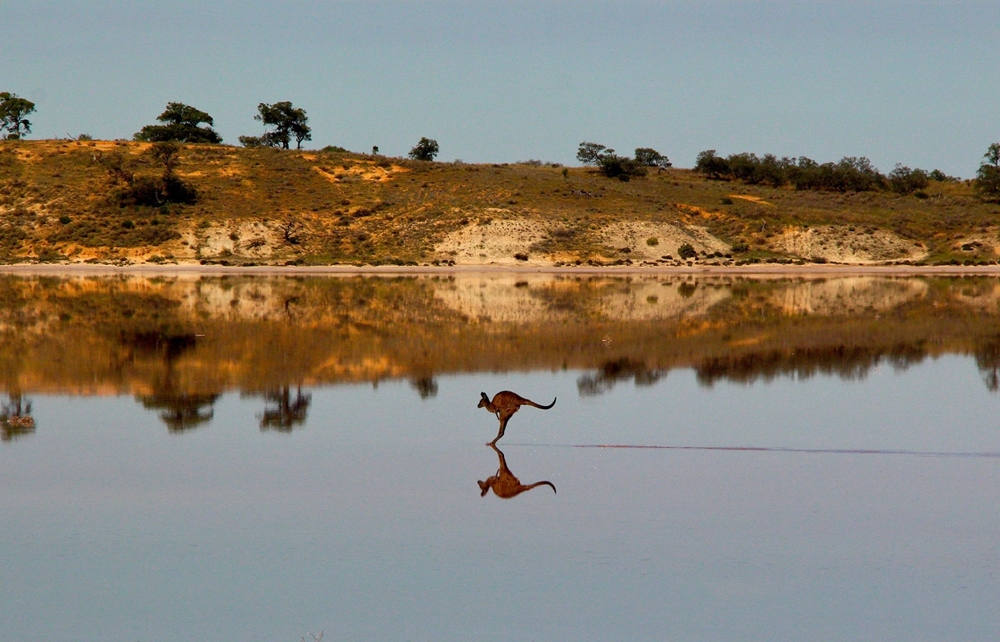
(484, 396)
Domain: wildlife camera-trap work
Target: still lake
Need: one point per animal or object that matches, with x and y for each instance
(265, 458)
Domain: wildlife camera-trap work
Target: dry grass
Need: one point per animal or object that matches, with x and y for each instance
(273, 206)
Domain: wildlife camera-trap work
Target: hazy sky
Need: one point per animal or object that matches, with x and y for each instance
(897, 81)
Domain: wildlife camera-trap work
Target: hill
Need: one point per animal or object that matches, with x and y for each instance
(64, 201)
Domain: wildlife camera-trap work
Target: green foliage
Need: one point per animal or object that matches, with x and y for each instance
(131, 190)
(592, 153)
(711, 165)
(609, 163)
(988, 176)
(621, 167)
(253, 141)
(651, 158)
(287, 121)
(13, 115)
(181, 123)
(425, 150)
(850, 174)
(686, 251)
(904, 180)
(938, 175)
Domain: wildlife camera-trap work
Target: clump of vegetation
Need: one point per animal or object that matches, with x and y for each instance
(988, 176)
(850, 174)
(687, 251)
(904, 180)
(182, 124)
(426, 149)
(14, 111)
(133, 190)
(614, 165)
(288, 121)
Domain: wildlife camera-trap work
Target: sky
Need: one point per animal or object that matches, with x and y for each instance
(911, 82)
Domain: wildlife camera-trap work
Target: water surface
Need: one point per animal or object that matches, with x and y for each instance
(264, 458)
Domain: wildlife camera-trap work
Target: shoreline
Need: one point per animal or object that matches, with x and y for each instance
(759, 270)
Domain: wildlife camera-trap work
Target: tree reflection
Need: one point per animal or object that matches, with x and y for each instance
(181, 410)
(847, 362)
(426, 387)
(988, 362)
(504, 484)
(15, 418)
(283, 412)
(611, 372)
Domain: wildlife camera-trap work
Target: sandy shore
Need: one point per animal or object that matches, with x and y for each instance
(759, 270)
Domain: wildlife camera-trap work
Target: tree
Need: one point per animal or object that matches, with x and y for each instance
(131, 190)
(904, 180)
(182, 124)
(13, 115)
(591, 153)
(425, 150)
(287, 121)
(651, 158)
(988, 176)
(621, 167)
(712, 165)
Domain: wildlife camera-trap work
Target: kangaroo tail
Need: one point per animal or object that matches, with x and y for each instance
(544, 407)
(541, 483)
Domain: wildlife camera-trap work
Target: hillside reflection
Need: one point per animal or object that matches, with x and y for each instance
(177, 343)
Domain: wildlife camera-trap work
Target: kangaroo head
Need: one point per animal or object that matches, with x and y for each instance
(483, 401)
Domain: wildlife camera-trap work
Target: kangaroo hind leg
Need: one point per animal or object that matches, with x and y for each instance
(503, 427)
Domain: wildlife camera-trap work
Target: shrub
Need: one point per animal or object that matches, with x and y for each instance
(711, 165)
(686, 251)
(904, 180)
(652, 241)
(649, 157)
(620, 167)
(425, 150)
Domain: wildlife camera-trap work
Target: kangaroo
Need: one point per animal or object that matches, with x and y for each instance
(504, 405)
(504, 484)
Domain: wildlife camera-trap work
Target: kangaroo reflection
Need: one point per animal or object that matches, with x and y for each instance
(505, 403)
(504, 484)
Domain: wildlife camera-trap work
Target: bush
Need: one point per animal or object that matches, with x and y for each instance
(649, 157)
(988, 176)
(425, 150)
(711, 165)
(904, 180)
(687, 251)
(620, 167)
